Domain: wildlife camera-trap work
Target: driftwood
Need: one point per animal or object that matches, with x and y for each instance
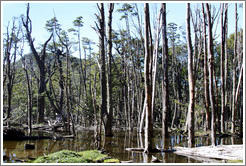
(127, 161)
(151, 150)
(221, 152)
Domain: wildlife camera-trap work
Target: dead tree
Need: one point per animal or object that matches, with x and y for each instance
(223, 32)
(191, 140)
(147, 81)
(108, 126)
(211, 79)
(40, 59)
(165, 93)
(206, 88)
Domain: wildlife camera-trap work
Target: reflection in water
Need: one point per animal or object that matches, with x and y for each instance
(114, 146)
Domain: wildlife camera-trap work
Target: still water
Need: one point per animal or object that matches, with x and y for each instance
(114, 146)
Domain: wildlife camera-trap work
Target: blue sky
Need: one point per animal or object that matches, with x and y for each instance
(67, 12)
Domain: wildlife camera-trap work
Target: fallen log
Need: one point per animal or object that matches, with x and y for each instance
(151, 150)
(130, 161)
(221, 152)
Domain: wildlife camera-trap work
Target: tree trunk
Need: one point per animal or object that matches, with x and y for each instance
(148, 93)
(223, 32)
(165, 97)
(109, 85)
(41, 65)
(210, 63)
(234, 75)
(191, 140)
(206, 89)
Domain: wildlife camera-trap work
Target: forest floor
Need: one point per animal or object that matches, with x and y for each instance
(228, 153)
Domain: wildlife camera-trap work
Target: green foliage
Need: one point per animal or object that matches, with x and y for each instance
(234, 161)
(52, 24)
(78, 22)
(66, 156)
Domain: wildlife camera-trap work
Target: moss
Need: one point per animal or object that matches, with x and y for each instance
(66, 156)
(234, 161)
(111, 161)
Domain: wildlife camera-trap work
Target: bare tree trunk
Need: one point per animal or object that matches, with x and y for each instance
(210, 63)
(148, 93)
(234, 75)
(223, 32)
(191, 140)
(41, 65)
(206, 89)
(29, 94)
(226, 71)
(165, 97)
(109, 85)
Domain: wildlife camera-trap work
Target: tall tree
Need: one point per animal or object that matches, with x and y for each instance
(147, 81)
(206, 88)
(191, 140)
(165, 95)
(102, 62)
(10, 52)
(233, 114)
(211, 79)
(40, 59)
(109, 81)
(222, 59)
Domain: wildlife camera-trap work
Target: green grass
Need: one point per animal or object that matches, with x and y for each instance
(66, 156)
(111, 161)
(234, 161)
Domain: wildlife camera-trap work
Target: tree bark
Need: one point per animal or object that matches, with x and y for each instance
(223, 32)
(191, 140)
(109, 85)
(148, 93)
(165, 97)
(206, 88)
(211, 65)
(234, 75)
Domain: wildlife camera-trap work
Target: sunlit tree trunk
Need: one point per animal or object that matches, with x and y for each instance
(206, 89)
(109, 85)
(147, 81)
(234, 75)
(211, 79)
(191, 140)
(40, 59)
(223, 32)
(165, 97)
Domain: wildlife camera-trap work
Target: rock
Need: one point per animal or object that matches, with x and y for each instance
(29, 146)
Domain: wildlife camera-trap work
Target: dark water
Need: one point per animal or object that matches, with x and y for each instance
(114, 146)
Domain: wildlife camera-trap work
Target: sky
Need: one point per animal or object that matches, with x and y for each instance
(66, 12)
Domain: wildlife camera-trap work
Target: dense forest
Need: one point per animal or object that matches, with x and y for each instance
(152, 79)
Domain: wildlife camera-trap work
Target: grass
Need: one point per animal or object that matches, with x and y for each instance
(66, 156)
(234, 161)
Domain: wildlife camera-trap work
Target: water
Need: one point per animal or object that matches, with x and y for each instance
(114, 146)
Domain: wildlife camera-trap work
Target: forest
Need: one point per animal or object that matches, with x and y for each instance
(144, 81)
